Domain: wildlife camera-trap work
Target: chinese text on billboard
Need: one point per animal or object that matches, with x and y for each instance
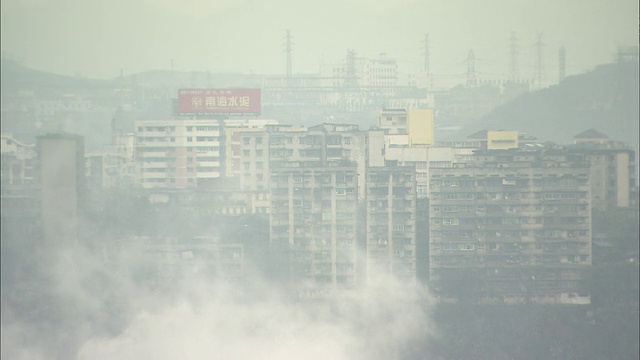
(219, 101)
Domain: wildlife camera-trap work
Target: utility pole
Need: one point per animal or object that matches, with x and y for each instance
(538, 68)
(351, 80)
(426, 54)
(513, 60)
(562, 63)
(288, 50)
(471, 69)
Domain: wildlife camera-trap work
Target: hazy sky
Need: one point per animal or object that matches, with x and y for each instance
(98, 38)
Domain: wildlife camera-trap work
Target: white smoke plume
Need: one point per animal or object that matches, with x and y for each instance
(98, 312)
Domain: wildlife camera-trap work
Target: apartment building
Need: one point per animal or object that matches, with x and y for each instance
(416, 124)
(262, 153)
(234, 129)
(19, 201)
(613, 176)
(391, 221)
(425, 158)
(18, 163)
(512, 226)
(613, 170)
(115, 165)
(168, 258)
(313, 222)
(182, 153)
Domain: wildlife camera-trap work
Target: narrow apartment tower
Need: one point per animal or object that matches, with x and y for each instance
(391, 222)
(313, 226)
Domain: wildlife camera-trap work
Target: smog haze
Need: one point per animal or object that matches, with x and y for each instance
(98, 39)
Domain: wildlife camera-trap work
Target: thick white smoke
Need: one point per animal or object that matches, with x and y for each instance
(211, 319)
(104, 313)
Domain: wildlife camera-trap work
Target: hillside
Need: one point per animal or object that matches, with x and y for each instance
(16, 77)
(605, 99)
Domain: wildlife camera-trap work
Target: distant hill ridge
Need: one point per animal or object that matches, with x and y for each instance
(605, 99)
(16, 77)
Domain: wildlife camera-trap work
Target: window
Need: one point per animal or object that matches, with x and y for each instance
(205, 128)
(450, 221)
(450, 183)
(449, 246)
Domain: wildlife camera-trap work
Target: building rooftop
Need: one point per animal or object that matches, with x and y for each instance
(591, 134)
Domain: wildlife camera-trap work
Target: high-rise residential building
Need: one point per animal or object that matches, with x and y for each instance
(425, 158)
(313, 222)
(411, 127)
(613, 177)
(17, 167)
(19, 207)
(178, 153)
(234, 128)
(169, 258)
(391, 221)
(613, 170)
(512, 226)
(62, 183)
(285, 146)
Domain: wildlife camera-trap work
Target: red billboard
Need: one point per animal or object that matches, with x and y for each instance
(219, 101)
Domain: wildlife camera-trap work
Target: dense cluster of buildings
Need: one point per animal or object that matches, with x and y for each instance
(500, 210)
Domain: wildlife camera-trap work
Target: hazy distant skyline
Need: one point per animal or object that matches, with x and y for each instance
(97, 39)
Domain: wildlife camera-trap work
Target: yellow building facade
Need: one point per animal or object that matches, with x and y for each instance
(420, 127)
(501, 140)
